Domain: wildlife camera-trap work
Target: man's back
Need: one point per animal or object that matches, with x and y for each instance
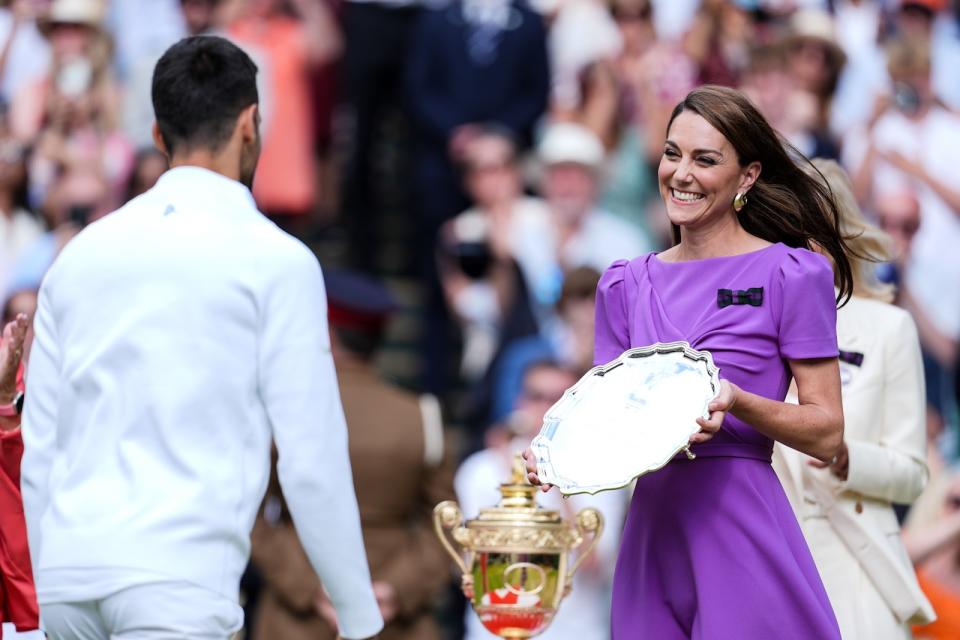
(167, 333)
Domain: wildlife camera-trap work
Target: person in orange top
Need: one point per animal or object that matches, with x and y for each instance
(286, 48)
(18, 598)
(932, 539)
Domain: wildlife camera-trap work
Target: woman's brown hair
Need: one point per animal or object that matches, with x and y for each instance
(785, 204)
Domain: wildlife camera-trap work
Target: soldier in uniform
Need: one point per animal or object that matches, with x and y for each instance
(401, 469)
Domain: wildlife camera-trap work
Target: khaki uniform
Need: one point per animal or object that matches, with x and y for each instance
(401, 469)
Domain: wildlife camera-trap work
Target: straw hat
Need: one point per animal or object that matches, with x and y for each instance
(89, 13)
(566, 142)
(818, 25)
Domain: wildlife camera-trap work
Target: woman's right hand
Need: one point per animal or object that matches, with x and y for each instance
(719, 407)
(532, 476)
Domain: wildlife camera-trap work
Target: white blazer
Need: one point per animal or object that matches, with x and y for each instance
(850, 525)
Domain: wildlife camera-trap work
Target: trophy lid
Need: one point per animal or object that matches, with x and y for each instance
(518, 501)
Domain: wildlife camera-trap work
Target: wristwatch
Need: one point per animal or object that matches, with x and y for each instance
(15, 408)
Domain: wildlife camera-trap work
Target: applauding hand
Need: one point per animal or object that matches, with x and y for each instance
(11, 352)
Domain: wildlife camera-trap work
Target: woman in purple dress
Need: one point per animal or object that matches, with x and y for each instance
(711, 548)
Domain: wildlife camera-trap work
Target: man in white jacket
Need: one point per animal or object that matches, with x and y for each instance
(174, 339)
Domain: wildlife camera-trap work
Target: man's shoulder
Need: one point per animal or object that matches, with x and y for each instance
(89, 239)
(281, 251)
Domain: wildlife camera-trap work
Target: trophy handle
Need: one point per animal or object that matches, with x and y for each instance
(446, 516)
(588, 521)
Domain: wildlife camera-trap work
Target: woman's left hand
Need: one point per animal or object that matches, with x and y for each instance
(719, 407)
(839, 465)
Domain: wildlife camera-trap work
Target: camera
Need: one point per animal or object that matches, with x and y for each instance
(474, 258)
(906, 98)
(79, 214)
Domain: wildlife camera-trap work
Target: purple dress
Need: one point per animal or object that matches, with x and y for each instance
(711, 548)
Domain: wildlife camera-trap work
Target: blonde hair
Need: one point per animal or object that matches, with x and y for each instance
(867, 244)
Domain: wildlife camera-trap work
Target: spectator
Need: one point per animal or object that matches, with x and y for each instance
(653, 76)
(657, 74)
(864, 77)
(21, 298)
(585, 612)
(24, 54)
(910, 147)
(846, 508)
(496, 269)
(814, 63)
(582, 34)
(586, 236)
(142, 31)
(18, 599)
(719, 41)
(898, 215)
(472, 62)
(18, 227)
(79, 196)
(74, 113)
(80, 62)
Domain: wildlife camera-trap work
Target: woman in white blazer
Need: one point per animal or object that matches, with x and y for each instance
(845, 507)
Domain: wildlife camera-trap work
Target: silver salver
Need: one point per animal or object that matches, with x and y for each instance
(626, 418)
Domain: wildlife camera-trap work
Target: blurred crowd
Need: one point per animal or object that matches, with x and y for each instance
(515, 143)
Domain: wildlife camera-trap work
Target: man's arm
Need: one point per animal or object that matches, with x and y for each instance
(40, 419)
(298, 386)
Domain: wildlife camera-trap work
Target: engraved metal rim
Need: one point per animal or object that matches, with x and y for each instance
(538, 446)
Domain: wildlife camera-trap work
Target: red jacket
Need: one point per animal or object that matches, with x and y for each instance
(18, 598)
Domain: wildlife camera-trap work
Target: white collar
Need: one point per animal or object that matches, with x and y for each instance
(215, 190)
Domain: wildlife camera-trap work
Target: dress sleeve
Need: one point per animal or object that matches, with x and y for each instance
(611, 332)
(806, 308)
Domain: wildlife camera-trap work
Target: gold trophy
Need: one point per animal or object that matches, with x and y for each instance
(516, 556)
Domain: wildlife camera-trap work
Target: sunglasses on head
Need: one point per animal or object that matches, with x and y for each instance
(632, 14)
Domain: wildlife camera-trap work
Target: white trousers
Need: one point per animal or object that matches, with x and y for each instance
(159, 611)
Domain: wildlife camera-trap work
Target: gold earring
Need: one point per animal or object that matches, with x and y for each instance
(739, 201)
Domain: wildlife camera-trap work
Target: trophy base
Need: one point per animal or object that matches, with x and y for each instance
(514, 623)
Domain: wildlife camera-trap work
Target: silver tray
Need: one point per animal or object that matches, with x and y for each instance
(626, 418)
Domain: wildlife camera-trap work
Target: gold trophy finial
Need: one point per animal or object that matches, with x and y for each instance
(519, 475)
(518, 493)
(516, 566)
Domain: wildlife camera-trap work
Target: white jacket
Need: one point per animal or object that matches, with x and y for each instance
(174, 339)
(850, 525)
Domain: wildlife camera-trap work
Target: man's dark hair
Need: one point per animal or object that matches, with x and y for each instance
(200, 86)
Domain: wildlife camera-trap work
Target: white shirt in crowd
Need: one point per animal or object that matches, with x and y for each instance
(29, 56)
(935, 262)
(585, 613)
(603, 238)
(17, 233)
(174, 339)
